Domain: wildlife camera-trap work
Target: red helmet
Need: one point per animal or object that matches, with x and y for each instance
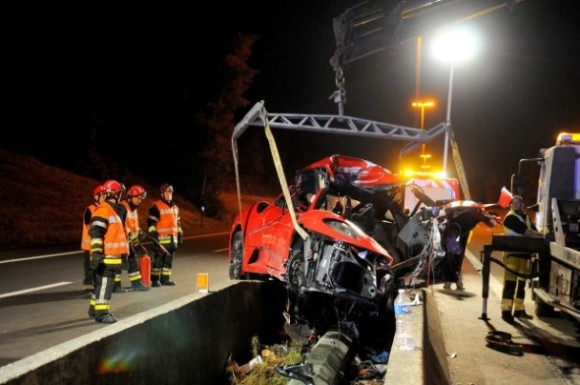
(98, 190)
(166, 187)
(136, 191)
(113, 187)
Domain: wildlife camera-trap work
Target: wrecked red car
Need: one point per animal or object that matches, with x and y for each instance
(325, 196)
(318, 244)
(342, 243)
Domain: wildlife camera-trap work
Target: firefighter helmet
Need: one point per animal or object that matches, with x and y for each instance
(136, 191)
(98, 190)
(166, 187)
(113, 187)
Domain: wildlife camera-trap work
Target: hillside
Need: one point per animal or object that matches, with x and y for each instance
(43, 204)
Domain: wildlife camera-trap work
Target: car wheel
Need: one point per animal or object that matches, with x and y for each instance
(236, 256)
(295, 274)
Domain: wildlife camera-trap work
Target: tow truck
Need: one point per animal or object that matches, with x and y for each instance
(558, 218)
(556, 284)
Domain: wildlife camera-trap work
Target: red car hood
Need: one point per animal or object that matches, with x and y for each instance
(318, 221)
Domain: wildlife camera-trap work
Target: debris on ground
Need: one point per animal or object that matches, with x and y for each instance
(261, 368)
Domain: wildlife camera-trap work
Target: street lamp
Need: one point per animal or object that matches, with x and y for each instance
(422, 105)
(454, 46)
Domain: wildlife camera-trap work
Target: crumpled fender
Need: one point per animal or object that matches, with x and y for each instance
(316, 221)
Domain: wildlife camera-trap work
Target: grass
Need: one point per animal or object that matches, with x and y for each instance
(43, 205)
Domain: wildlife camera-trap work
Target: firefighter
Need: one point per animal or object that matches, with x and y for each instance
(89, 273)
(109, 246)
(135, 195)
(164, 226)
(516, 223)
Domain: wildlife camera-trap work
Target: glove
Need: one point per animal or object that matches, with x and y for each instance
(180, 238)
(96, 258)
(133, 238)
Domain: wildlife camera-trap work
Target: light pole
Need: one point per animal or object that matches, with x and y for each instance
(453, 45)
(422, 105)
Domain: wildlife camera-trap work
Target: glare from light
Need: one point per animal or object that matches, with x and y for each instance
(456, 44)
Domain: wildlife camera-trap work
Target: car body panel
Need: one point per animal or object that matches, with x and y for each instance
(267, 227)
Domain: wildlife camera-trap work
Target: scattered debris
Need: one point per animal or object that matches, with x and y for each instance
(502, 342)
(261, 368)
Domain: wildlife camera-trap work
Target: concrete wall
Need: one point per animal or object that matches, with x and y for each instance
(187, 341)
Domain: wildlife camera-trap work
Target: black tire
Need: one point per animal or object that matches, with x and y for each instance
(542, 309)
(236, 256)
(295, 275)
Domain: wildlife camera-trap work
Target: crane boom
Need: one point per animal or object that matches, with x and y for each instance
(373, 26)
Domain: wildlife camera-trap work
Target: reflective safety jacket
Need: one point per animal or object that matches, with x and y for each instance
(87, 216)
(108, 230)
(524, 219)
(164, 219)
(131, 222)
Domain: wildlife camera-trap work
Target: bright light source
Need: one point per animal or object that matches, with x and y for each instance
(567, 138)
(423, 104)
(456, 44)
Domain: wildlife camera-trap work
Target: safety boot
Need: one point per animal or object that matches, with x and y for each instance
(118, 288)
(155, 284)
(167, 282)
(521, 314)
(106, 318)
(138, 286)
(506, 315)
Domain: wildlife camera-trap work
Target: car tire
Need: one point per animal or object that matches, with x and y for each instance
(295, 274)
(236, 256)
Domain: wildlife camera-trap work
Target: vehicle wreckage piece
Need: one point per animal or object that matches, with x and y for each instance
(325, 363)
(502, 342)
(337, 276)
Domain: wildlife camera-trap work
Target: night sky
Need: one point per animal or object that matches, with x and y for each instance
(138, 78)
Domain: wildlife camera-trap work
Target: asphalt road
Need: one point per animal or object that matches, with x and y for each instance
(42, 303)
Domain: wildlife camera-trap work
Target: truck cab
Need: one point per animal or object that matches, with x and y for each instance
(558, 218)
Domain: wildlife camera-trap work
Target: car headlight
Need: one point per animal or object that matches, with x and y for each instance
(342, 227)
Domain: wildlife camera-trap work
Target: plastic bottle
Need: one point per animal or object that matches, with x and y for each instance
(404, 338)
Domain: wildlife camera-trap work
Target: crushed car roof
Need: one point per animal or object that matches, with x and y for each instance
(358, 172)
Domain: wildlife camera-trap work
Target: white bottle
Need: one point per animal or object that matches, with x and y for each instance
(404, 337)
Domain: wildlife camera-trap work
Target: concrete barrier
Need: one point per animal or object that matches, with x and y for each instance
(186, 341)
(189, 340)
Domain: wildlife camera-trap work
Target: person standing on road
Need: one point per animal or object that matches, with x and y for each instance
(164, 226)
(109, 246)
(456, 235)
(135, 195)
(516, 223)
(89, 273)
